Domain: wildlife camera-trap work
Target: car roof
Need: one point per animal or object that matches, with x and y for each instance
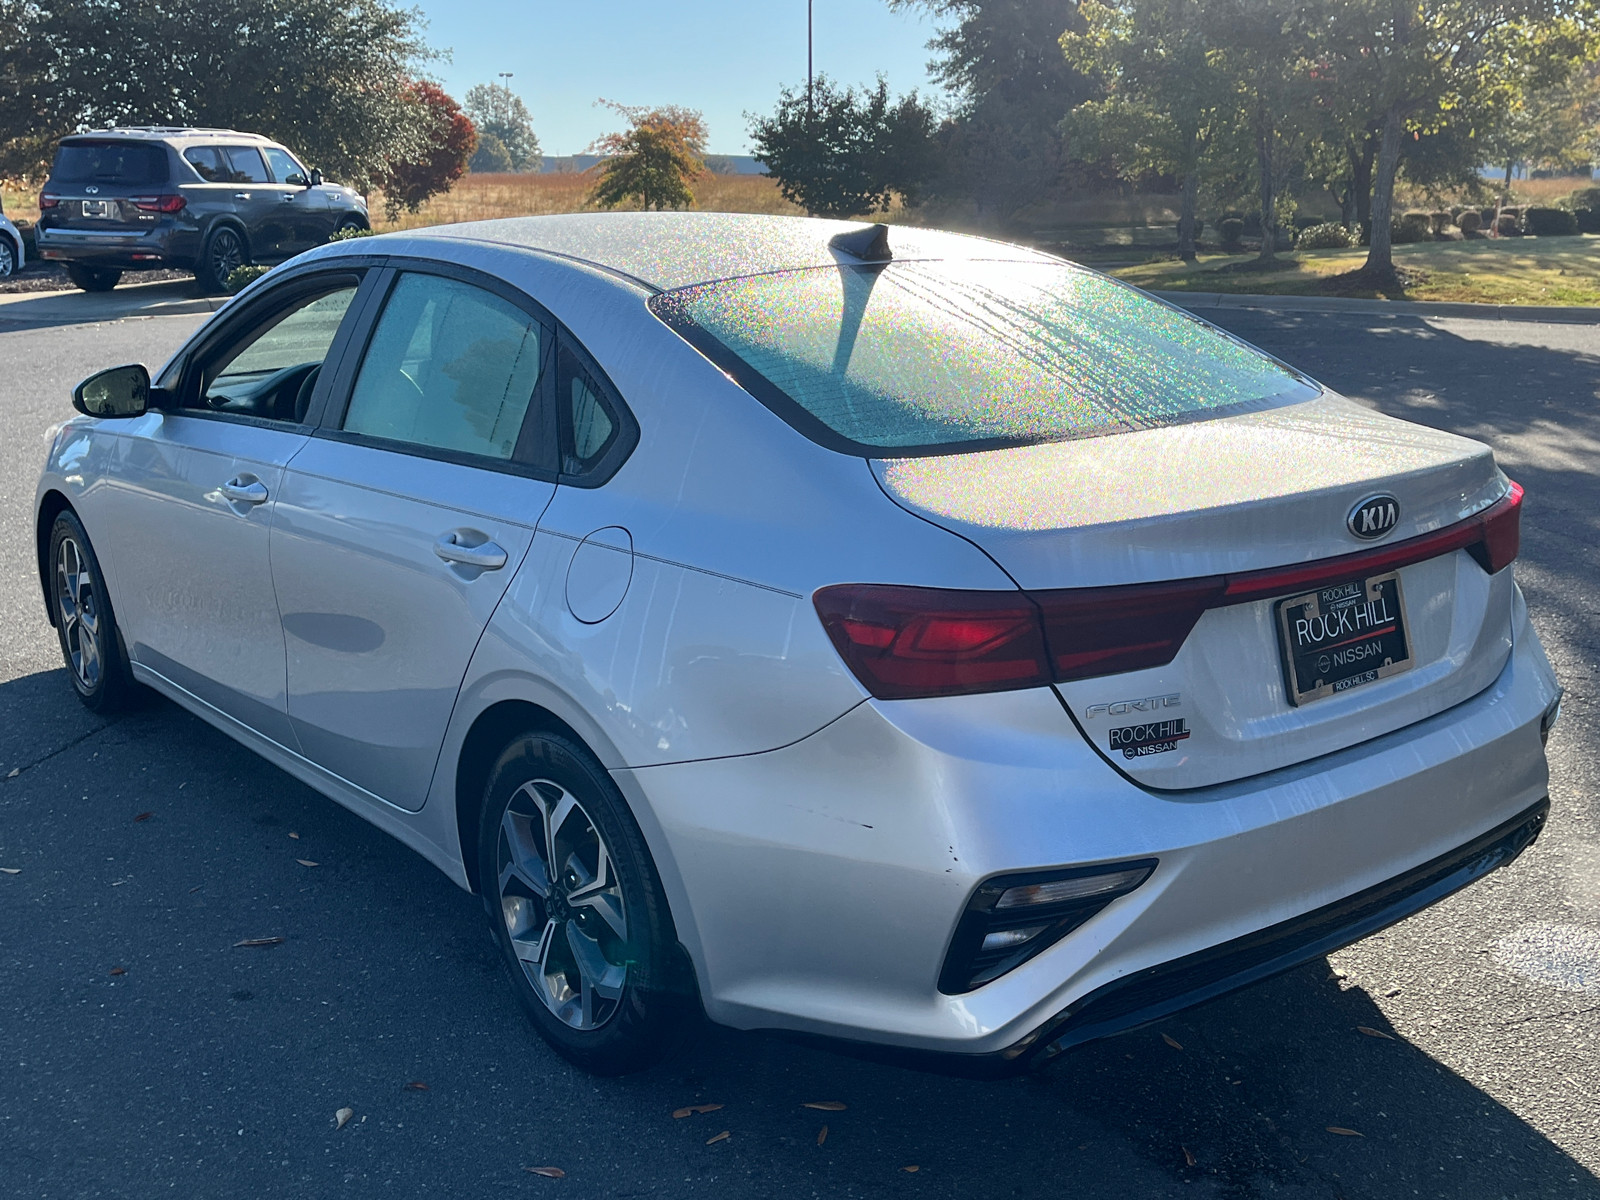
(166, 133)
(668, 250)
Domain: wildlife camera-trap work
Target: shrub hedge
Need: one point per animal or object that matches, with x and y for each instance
(1469, 221)
(1328, 236)
(1551, 222)
(243, 277)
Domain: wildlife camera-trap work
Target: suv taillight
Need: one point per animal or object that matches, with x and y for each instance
(904, 643)
(48, 202)
(161, 204)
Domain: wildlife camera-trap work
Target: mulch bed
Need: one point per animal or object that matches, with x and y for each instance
(40, 276)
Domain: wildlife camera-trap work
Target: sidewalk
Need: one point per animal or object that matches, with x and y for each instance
(1547, 314)
(167, 299)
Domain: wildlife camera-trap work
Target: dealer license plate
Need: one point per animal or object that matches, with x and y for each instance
(1342, 636)
(104, 209)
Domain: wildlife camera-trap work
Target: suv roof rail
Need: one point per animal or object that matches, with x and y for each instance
(163, 131)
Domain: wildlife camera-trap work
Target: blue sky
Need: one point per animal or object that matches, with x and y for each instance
(724, 57)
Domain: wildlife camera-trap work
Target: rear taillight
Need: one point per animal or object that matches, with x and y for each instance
(1103, 631)
(48, 202)
(161, 204)
(903, 643)
(1502, 532)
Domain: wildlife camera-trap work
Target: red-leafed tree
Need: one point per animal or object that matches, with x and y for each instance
(451, 141)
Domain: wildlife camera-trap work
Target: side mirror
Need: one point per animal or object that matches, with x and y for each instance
(316, 177)
(118, 392)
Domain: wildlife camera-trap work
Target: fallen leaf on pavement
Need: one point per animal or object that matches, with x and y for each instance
(911, 1170)
(822, 1135)
(144, 816)
(305, 862)
(547, 1172)
(1343, 1132)
(1188, 1158)
(1371, 1032)
(721, 1137)
(679, 1113)
(825, 1105)
(116, 971)
(294, 835)
(271, 941)
(416, 1085)
(343, 1117)
(1173, 1042)
(11, 870)
(15, 771)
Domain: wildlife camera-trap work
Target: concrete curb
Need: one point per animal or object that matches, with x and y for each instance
(1544, 314)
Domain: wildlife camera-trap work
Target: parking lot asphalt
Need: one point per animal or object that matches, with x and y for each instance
(152, 844)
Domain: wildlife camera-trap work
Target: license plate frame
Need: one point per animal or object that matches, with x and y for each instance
(99, 210)
(1343, 636)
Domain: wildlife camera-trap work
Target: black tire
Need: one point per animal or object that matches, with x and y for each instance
(86, 624)
(654, 1005)
(223, 252)
(93, 279)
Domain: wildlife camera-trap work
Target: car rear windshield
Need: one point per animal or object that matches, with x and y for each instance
(109, 162)
(938, 357)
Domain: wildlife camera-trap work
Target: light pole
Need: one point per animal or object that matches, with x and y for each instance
(504, 105)
(809, 109)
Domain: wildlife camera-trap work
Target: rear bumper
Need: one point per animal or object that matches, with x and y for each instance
(162, 246)
(816, 887)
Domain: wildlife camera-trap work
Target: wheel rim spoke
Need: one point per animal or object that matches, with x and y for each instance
(80, 620)
(576, 908)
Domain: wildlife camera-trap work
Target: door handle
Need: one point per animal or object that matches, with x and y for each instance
(288, 199)
(237, 490)
(453, 549)
(241, 195)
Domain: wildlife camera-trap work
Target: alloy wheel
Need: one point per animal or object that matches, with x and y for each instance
(8, 259)
(227, 255)
(562, 903)
(78, 614)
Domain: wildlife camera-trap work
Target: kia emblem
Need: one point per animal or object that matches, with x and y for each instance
(1374, 517)
(92, 190)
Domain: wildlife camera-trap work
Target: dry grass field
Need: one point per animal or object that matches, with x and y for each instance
(483, 197)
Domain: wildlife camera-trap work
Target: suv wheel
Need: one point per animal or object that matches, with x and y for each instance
(85, 623)
(223, 254)
(8, 258)
(576, 907)
(93, 279)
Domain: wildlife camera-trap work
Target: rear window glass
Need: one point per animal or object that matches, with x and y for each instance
(931, 357)
(109, 162)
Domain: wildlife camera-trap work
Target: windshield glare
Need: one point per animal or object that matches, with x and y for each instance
(936, 356)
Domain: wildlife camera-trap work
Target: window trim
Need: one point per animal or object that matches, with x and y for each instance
(531, 454)
(662, 306)
(623, 439)
(182, 377)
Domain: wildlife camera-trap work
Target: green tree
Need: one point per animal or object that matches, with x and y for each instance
(1166, 102)
(498, 111)
(1001, 62)
(1434, 63)
(491, 156)
(840, 152)
(653, 160)
(328, 78)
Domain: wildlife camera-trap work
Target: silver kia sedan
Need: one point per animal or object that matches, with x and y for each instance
(867, 633)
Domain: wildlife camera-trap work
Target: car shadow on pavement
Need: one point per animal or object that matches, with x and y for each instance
(146, 1049)
(42, 310)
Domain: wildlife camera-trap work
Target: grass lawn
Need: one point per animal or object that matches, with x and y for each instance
(1527, 270)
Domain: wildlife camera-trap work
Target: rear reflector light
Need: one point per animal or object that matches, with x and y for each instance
(904, 643)
(1011, 918)
(161, 204)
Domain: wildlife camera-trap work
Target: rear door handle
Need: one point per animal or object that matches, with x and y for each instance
(241, 195)
(288, 199)
(237, 490)
(462, 546)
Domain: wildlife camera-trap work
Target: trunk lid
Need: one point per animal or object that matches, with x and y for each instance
(1229, 495)
(96, 181)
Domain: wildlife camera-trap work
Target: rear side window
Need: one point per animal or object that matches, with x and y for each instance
(109, 162)
(589, 424)
(207, 163)
(938, 357)
(450, 366)
(246, 165)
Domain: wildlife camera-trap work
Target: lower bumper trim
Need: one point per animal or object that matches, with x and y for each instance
(1159, 991)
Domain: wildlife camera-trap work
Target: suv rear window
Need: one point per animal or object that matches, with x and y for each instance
(939, 357)
(109, 162)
